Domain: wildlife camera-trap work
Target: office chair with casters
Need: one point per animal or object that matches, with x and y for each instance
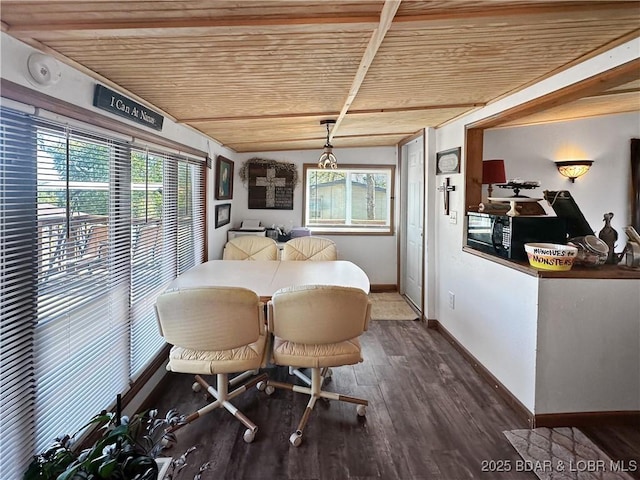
(215, 331)
(316, 327)
(310, 248)
(250, 247)
(314, 249)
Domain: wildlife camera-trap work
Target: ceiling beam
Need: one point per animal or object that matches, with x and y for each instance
(610, 93)
(256, 117)
(221, 26)
(489, 14)
(386, 18)
(319, 139)
(417, 108)
(330, 114)
(192, 27)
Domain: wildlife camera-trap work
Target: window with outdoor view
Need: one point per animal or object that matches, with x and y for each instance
(351, 199)
(92, 229)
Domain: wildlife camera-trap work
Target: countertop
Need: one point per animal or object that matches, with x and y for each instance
(620, 272)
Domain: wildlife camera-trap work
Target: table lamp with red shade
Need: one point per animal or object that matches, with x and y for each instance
(493, 172)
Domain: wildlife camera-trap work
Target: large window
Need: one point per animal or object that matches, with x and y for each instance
(92, 229)
(352, 199)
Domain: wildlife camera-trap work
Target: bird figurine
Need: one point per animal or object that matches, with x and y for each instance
(609, 235)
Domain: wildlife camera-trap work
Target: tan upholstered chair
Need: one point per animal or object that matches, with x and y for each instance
(310, 248)
(314, 249)
(317, 327)
(215, 331)
(250, 247)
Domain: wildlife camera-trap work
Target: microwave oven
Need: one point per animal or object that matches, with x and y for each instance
(505, 236)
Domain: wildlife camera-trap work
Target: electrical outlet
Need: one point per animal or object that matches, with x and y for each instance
(453, 217)
(452, 300)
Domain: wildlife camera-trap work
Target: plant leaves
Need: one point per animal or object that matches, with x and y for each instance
(106, 469)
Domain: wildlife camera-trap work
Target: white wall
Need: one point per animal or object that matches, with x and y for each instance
(588, 346)
(495, 307)
(375, 254)
(528, 153)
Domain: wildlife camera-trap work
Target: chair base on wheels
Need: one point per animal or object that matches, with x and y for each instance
(315, 392)
(325, 373)
(222, 399)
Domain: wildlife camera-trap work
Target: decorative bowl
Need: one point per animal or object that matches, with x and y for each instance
(551, 256)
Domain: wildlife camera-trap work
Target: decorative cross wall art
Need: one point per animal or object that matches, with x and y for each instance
(270, 187)
(445, 188)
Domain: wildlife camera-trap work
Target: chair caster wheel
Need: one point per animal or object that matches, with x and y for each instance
(196, 387)
(361, 410)
(263, 387)
(249, 435)
(295, 439)
(167, 443)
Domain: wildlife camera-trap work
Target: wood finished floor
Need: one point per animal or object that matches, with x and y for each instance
(430, 416)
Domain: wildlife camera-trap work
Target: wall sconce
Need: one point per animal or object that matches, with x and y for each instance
(493, 172)
(573, 169)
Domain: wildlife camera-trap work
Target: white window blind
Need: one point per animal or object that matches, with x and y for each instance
(153, 241)
(18, 291)
(81, 339)
(90, 231)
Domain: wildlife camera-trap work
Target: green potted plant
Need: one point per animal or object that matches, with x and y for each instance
(126, 450)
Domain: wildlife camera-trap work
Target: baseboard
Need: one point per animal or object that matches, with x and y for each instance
(431, 323)
(383, 288)
(551, 420)
(587, 419)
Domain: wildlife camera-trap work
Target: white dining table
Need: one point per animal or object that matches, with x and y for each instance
(266, 277)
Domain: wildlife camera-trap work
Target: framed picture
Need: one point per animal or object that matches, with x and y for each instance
(224, 178)
(223, 214)
(448, 161)
(270, 187)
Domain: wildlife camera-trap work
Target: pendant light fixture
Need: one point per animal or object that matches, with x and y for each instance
(328, 159)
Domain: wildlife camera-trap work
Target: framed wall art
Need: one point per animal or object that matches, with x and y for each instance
(224, 178)
(271, 184)
(223, 214)
(448, 161)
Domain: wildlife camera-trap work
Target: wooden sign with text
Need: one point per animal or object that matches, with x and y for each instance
(113, 102)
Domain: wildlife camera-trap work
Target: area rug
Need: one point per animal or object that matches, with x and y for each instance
(563, 454)
(390, 306)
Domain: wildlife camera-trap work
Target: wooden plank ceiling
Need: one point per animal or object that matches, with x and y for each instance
(260, 75)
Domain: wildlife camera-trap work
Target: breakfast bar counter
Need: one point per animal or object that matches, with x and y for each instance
(565, 345)
(602, 272)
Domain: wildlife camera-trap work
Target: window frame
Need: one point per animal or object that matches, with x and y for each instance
(352, 230)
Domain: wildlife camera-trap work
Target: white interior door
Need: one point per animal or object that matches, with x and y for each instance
(413, 158)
